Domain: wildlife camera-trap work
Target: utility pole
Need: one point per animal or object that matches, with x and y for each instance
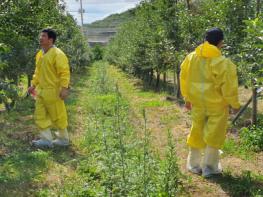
(81, 15)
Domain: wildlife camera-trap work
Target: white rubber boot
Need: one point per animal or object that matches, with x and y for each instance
(62, 138)
(211, 164)
(194, 161)
(45, 140)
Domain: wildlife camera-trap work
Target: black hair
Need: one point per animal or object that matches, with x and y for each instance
(50, 33)
(214, 36)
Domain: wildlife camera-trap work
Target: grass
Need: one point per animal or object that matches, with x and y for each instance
(148, 94)
(24, 171)
(171, 118)
(149, 104)
(246, 184)
(233, 146)
(114, 160)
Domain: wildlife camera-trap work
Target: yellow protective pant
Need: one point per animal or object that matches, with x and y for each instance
(209, 127)
(50, 110)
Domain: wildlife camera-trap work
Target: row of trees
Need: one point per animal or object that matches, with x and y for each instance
(164, 31)
(21, 21)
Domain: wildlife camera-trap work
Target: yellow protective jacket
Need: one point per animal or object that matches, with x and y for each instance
(208, 79)
(51, 74)
(52, 69)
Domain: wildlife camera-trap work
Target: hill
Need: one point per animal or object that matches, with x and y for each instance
(113, 21)
(100, 32)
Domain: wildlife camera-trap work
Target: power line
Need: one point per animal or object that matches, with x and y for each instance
(76, 11)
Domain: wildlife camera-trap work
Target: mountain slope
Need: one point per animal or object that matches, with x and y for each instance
(113, 21)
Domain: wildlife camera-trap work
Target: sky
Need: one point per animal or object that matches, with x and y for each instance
(98, 9)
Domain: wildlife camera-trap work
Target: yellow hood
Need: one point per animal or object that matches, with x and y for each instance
(207, 50)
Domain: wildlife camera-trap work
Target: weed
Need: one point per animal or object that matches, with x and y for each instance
(252, 138)
(233, 146)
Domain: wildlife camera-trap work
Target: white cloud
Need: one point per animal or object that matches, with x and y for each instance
(98, 9)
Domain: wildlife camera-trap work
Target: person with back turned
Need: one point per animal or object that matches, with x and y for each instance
(209, 86)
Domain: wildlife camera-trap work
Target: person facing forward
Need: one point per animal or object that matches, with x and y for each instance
(209, 86)
(51, 83)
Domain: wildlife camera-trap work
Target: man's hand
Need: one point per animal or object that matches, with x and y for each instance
(188, 105)
(31, 89)
(64, 93)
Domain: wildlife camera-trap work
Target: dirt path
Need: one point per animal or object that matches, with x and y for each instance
(163, 115)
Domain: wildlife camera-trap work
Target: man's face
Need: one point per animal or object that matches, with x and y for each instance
(44, 40)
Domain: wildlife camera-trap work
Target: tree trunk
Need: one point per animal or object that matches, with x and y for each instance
(151, 77)
(254, 106)
(164, 79)
(258, 7)
(157, 81)
(174, 76)
(188, 4)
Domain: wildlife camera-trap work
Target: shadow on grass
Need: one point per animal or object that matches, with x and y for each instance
(245, 185)
(23, 173)
(162, 87)
(19, 171)
(65, 155)
(167, 88)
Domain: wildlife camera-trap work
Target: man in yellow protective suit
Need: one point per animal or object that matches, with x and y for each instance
(51, 83)
(209, 86)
